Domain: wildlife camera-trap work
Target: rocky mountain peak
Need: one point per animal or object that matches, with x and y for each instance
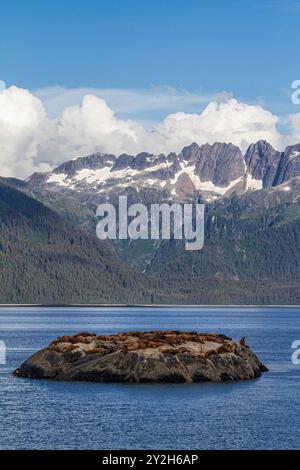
(262, 162)
(123, 161)
(189, 152)
(219, 163)
(289, 166)
(93, 162)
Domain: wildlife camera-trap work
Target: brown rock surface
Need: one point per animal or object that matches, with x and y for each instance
(144, 357)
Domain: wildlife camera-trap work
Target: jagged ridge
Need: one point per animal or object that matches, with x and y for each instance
(210, 170)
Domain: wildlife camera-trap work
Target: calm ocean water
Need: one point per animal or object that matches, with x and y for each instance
(264, 413)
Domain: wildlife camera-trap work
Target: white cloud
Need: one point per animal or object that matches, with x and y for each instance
(93, 125)
(229, 121)
(22, 121)
(127, 102)
(292, 123)
(31, 140)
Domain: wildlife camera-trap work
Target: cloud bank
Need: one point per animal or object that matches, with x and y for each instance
(31, 139)
(128, 102)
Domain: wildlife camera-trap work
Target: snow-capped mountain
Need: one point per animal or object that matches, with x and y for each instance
(270, 166)
(262, 216)
(210, 170)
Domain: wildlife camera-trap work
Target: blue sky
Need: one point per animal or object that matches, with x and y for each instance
(248, 48)
(134, 75)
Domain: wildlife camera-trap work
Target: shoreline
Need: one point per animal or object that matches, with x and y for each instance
(147, 306)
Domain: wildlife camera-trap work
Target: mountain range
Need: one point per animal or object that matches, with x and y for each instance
(210, 170)
(251, 252)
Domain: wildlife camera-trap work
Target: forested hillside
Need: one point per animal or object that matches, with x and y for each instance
(46, 259)
(251, 252)
(251, 255)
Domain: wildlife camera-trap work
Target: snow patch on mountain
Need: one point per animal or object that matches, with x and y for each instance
(58, 178)
(208, 186)
(105, 175)
(252, 183)
(293, 155)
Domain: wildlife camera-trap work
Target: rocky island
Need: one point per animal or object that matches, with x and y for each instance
(144, 357)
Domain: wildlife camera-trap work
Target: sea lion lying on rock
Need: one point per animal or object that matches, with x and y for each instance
(144, 357)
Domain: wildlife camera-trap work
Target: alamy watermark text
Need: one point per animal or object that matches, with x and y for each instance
(161, 221)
